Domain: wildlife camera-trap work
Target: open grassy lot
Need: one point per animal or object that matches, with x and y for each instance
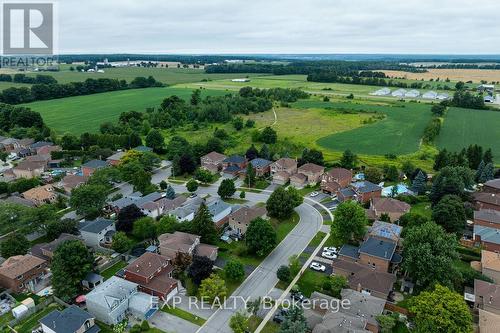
(166, 75)
(111, 271)
(86, 113)
(463, 127)
(459, 74)
(5, 85)
(398, 133)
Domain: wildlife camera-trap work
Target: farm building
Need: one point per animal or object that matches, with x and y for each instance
(486, 87)
(430, 95)
(381, 92)
(240, 80)
(442, 97)
(399, 93)
(412, 93)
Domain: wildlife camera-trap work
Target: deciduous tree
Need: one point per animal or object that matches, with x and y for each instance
(260, 237)
(350, 222)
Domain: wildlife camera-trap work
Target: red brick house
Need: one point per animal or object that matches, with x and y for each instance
(153, 273)
(312, 171)
(213, 161)
(261, 166)
(22, 273)
(91, 166)
(492, 186)
(485, 200)
(487, 218)
(335, 179)
(282, 166)
(235, 165)
(362, 191)
(392, 207)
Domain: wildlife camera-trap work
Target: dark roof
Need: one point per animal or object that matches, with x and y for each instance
(495, 183)
(68, 321)
(366, 186)
(93, 277)
(347, 192)
(260, 162)
(349, 251)
(41, 144)
(96, 226)
(378, 248)
(232, 168)
(235, 159)
(488, 215)
(95, 164)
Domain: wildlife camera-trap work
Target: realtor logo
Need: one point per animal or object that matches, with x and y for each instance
(28, 28)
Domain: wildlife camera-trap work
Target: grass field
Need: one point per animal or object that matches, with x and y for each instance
(5, 85)
(399, 133)
(474, 75)
(166, 75)
(86, 113)
(463, 127)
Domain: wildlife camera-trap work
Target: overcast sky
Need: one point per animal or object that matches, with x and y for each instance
(280, 26)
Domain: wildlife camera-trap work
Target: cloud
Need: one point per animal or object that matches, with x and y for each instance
(280, 26)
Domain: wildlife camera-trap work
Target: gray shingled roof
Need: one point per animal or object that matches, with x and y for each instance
(68, 321)
(488, 215)
(260, 162)
(378, 248)
(96, 226)
(95, 164)
(235, 159)
(366, 186)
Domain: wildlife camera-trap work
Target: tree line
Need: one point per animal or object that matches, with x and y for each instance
(45, 91)
(23, 78)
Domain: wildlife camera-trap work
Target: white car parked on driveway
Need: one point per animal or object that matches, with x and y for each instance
(317, 266)
(332, 249)
(329, 255)
(314, 194)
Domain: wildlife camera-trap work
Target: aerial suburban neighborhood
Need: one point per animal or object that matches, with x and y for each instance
(246, 167)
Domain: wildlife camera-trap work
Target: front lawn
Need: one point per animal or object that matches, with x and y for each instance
(310, 281)
(422, 208)
(285, 226)
(254, 322)
(111, 271)
(184, 315)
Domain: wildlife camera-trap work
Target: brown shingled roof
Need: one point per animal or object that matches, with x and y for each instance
(490, 198)
(215, 156)
(490, 260)
(390, 205)
(286, 162)
(495, 183)
(147, 264)
(18, 265)
(339, 173)
(246, 214)
(311, 168)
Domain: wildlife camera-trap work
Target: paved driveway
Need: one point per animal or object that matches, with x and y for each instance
(169, 323)
(263, 279)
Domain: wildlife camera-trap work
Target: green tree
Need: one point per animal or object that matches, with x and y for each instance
(408, 168)
(72, 261)
(170, 193)
(144, 228)
(438, 110)
(238, 322)
(250, 176)
(386, 323)
(348, 160)
(283, 273)
(238, 123)
(212, 288)
(200, 269)
(440, 310)
(121, 243)
(142, 182)
(373, 175)
(127, 216)
(429, 254)
(226, 188)
(268, 135)
(391, 173)
(155, 140)
(294, 322)
(334, 284)
(15, 244)
(488, 173)
(89, 200)
(449, 213)
(242, 195)
(260, 237)
(488, 156)
(203, 175)
(234, 270)
(451, 180)
(167, 224)
(294, 264)
(419, 183)
(192, 185)
(55, 228)
(204, 226)
(196, 97)
(350, 221)
(281, 202)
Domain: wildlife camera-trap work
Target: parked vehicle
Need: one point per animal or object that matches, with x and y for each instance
(329, 255)
(194, 195)
(332, 249)
(317, 266)
(314, 194)
(280, 315)
(298, 297)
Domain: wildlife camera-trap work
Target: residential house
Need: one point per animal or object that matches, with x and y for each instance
(387, 206)
(335, 179)
(234, 165)
(485, 200)
(91, 166)
(487, 296)
(41, 195)
(70, 182)
(111, 301)
(281, 168)
(15, 199)
(361, 191)
(171, 244)
(9, 144)
(29, 169)
(487, 238)
(153, 273)
(490, 265)
(46, 251)
(23, 273)
(487, 218)
(297, 180)
(312, 171)
(116, 158)
(153, 204)
(360, 316)
(241, 218)
(385, 231)
(363, 278)
(70, 320)
(213, 161)
(492, 186)
(261, 166)
(98, 232)
(219, 210)
(35, 147)
(47, 150)
(488, 322)
(92, 280)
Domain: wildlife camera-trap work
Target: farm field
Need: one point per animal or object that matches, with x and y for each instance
(300, 82)
(168, 76)
(5, 85)
(399, 133)
(474, 75)
(463, 127)
(81, 114)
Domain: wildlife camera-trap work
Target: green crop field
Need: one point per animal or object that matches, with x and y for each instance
(166, 75)
(5, 85)
(463, 127)
(86, 113)
(398, 133)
